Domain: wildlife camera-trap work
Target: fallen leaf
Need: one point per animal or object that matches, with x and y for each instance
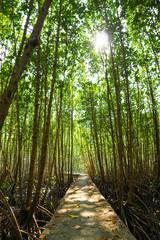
(49, 224)
(42, 236)
(73, 216)
(114, 220)
(28, 208)
(62, 211)
(108, 219)
(58, 216)
(78, 227)
(115, 229)
(78, 206)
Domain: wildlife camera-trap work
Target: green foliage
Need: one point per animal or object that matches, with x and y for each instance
(81, 85)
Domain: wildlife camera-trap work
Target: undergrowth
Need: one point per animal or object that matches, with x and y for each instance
(15, 220)
(142, 215)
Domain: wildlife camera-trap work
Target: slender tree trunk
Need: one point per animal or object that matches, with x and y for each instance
(119, 120)
(130, 145)
(111, 125)
(71, 169)
(51, 168)
(62, 151)
(106, 160)
(19, 164)
(96, 137)
(69, 146)
(8, 140)
(34, 137)
(58, 148)
(60, 123)
(156, 124)
(45, 81)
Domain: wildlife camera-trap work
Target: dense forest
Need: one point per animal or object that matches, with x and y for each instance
(79, 93)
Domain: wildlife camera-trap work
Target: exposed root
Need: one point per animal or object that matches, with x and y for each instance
(140, 216)
(30, 236)
(44, 210)
(9, 217)
(20, 224)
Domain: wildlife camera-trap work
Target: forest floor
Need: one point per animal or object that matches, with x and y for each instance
(142, 215)
(85, 214)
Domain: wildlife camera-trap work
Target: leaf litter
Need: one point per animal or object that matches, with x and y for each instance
(77, 227)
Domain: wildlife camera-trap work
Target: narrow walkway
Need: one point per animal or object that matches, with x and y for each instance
(84, 214)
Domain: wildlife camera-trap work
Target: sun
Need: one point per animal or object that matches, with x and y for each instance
(101, 40)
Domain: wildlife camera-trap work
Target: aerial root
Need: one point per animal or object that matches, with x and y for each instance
(36, 225)
(137, 218)
(44, 210)
(9, 216)
(29, 235)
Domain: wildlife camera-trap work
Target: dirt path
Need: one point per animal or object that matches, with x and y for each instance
(84, 214)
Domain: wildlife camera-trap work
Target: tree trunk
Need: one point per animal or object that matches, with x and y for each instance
(71, 169)
(34, 137)
(111, 125)
(20, 66)
(119, 120)
(96, 137)
(130, 144)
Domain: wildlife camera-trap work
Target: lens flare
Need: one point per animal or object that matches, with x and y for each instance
(101, 40)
